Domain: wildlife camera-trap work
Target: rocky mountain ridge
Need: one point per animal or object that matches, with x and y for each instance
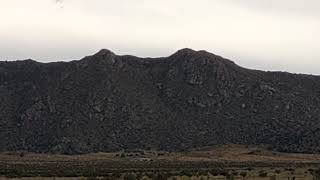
(190, 99)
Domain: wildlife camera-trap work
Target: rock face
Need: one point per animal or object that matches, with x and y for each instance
(190, 99)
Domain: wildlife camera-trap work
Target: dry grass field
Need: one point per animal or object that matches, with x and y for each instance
(229, 162)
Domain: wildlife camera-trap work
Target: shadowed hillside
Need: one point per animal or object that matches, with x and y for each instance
(188, 100)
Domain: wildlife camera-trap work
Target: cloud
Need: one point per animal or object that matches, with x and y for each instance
(309, 8)
(271, 35)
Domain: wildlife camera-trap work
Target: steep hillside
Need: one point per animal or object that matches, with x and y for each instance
(190, 99)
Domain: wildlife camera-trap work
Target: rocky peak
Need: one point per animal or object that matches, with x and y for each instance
(186, 53)
(103, 52)
(200, 56)
(101, 57)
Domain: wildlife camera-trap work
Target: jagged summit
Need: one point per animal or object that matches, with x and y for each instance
(182, 54)
(104, 52)
(184, 51)
(187, 52)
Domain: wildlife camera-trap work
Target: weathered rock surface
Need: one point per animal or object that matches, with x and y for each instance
(190, 99)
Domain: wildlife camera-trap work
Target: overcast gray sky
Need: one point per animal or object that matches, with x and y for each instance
(263, 34)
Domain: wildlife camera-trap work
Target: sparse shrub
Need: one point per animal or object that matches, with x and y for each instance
(22, 154)
(316, 173)
(145, 178)
(273, 178)
(116, 175)
(215, 172)
(174, 178)
(243, 174)
(129, 177)
(263, 174)
(223, 173)
(235, 173)
(202, 173)
(289, 169)
(185, 173)
(249, 169)
(161, 176)
(92, 178)
(149, 175)
(109, 178)
(277, 171)
(230, 177)
(140, 175)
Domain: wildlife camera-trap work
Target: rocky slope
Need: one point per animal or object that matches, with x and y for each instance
(190, 99)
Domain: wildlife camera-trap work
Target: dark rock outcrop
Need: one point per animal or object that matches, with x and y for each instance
(190, 99)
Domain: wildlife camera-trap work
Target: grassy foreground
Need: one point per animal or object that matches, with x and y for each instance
(230, 162)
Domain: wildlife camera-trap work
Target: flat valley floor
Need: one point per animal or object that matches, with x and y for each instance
(228, 162)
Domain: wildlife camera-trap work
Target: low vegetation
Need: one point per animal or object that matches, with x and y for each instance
(147, 165)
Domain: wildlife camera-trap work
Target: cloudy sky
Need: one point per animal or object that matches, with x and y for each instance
(264, 34)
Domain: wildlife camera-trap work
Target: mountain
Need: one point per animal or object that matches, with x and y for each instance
(190, 99)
